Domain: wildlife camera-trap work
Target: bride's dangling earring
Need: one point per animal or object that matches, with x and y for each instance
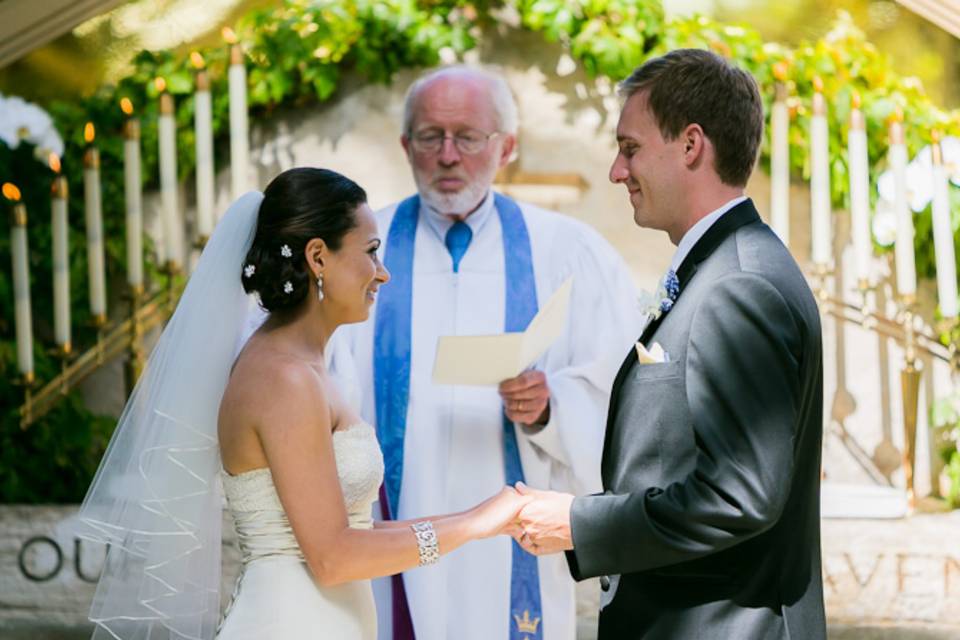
(320, 287)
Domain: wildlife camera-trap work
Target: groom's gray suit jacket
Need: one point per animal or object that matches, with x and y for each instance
(711, 464)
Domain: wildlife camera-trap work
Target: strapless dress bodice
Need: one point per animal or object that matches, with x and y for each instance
(263, 529)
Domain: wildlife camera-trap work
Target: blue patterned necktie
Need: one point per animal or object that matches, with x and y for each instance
(457, 240)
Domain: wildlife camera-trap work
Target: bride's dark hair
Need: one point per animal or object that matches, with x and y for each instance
(298, 205)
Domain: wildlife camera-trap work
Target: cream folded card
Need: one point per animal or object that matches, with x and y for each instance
(489, 360)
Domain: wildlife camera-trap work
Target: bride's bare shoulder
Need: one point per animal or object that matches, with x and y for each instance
(266, 383)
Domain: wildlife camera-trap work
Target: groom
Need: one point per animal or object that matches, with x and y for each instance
(709, 523)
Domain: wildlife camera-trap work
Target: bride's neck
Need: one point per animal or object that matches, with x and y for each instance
(307, 330)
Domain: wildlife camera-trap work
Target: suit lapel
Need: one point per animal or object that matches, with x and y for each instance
(741, 215)
(612, 407)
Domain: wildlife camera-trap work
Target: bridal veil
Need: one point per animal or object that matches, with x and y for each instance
(156, 499)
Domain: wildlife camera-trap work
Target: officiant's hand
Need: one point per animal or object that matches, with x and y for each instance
(545, 521)
(526, 398)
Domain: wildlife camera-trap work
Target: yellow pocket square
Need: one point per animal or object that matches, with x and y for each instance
(654, 355)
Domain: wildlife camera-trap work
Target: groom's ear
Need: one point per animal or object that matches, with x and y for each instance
(694, 144)
(315, 253)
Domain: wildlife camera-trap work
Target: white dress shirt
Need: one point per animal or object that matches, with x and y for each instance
(694, 233)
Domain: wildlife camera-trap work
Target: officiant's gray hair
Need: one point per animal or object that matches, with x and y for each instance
(504, 105)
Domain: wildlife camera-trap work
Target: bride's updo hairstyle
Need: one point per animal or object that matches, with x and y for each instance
(298, 205)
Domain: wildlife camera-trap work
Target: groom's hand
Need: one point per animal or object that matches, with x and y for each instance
(545, 521)
(526, 398)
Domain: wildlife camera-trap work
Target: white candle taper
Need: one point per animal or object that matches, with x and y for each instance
(172, 226)
(903, 248)
(820, 209)
(61, 259)
(203, 126)
(780, 164)
(859, 172)
(133, 197)
(21, 283)
(943, 236)
(93, 213)
(239, 129)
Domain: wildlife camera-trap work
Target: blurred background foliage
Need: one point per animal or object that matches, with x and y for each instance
(102, 50)
(298, 53)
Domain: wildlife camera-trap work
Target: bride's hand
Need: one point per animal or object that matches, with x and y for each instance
(497, 514)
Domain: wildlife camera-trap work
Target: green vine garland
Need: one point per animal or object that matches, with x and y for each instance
(297, 54)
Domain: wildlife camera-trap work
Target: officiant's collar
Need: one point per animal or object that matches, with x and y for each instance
(440, 223)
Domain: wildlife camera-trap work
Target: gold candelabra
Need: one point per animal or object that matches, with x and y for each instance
(112, 341)
(913, 335)
(910, 389)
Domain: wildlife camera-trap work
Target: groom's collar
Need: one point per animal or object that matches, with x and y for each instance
(695, 232)
(741, 214)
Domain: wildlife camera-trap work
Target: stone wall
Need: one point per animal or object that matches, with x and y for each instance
(879, 575)
(48, 576)
(894, 572)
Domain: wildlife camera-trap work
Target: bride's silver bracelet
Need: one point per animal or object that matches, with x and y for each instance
(426, 542)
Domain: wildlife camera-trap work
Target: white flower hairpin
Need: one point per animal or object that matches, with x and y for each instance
(285, 251)
(249, 270)
(288, 287)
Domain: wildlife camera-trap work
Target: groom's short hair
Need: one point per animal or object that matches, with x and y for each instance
(689, 86)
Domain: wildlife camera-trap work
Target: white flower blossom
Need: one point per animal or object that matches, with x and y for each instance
(884, 223)
(650, 303)
(24, 121)
(920, 174)
(919, 187)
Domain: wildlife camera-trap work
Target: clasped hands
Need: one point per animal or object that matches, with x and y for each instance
(542, 525)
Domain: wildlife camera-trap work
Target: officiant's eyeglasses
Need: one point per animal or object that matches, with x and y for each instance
(467, 141)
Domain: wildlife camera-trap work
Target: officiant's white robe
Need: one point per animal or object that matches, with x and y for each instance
(453, 450)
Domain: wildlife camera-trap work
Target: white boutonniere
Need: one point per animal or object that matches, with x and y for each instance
(654, 305)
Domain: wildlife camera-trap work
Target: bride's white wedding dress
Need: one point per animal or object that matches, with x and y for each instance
(276, 596)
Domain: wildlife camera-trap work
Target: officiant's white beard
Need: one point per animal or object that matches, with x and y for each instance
(460, 202)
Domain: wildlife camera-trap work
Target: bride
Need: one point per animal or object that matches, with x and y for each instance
(297, 466)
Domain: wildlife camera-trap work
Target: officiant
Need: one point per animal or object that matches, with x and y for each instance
(466, 260)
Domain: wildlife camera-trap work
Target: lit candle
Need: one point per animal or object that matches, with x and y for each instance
(943, 236)
(239, 144)
(167, 139)
(21, 283)
(903, 248)
(93, 210)
(858, 163)
(820, 178)
(203, 123)
(780, 158)
(61, 258)
(133, 197)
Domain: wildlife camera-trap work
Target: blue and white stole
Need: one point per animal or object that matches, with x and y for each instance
(391, 376)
